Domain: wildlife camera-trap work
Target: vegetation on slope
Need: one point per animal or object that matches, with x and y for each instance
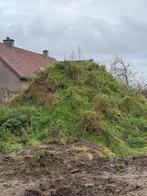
(71, 101)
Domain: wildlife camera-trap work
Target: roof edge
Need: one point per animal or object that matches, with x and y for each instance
(49, 57)
(10, 68)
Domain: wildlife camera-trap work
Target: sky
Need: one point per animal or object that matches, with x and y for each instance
(101, 29)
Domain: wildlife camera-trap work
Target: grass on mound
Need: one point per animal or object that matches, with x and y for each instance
(71, 101)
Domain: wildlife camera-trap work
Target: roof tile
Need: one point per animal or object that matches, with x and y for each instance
(25, 63)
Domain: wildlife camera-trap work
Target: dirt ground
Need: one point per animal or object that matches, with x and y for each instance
(70, 170)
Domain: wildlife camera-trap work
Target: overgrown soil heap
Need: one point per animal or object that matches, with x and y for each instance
(71, 101)
(65, 132)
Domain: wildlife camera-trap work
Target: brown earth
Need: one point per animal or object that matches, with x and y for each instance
(70, 170)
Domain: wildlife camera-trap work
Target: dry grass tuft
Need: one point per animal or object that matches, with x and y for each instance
(90, 122)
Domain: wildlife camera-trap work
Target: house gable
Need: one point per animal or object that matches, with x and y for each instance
(9, 80)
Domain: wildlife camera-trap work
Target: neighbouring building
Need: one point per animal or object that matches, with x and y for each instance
(18, 66)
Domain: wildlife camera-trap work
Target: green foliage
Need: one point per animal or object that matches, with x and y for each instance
(136, 142)
(9, 146)
(70, 101)
(15, 123)
(91, 122)
(16, 120)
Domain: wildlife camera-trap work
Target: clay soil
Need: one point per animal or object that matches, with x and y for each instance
(70, 170)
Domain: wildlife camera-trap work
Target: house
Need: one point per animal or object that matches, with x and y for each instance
(18, 66)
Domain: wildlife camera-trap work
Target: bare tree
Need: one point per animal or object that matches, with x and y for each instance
(124, 72)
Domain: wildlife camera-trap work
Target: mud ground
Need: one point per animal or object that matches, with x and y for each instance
(70, 170)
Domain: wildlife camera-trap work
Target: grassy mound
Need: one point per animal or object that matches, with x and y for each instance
(71, 101)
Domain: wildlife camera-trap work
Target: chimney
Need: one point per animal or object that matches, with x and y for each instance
(9, 42)
(45, 53)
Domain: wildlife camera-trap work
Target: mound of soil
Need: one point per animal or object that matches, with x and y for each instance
(70, 170)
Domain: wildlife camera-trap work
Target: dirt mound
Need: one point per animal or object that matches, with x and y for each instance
(70, 170)
(68, 101)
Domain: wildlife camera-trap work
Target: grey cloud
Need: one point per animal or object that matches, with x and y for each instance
(100, 28)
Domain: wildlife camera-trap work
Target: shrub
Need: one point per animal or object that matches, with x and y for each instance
(90, 122)
(4, 134)
(16, 122)
(72, 70)
(104, 103)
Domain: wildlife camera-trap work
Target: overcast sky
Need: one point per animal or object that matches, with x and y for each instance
(102, 28)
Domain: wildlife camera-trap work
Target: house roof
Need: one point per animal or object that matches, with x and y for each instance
(23, 62)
